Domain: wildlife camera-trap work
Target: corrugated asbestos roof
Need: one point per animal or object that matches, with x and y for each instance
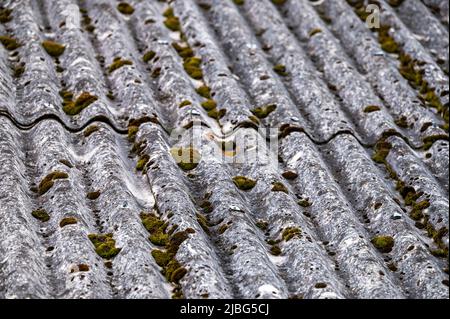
(93, 203)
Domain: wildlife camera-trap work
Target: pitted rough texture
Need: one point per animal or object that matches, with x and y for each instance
(362, 155)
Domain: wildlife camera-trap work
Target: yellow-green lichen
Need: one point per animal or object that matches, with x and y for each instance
(239, 2)
(244, 183)
(105, 245)
(54, 49)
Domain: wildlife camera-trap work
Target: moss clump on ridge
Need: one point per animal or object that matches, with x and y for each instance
(72, 108)
(49, 181)
(41, 214)
(244, 183)
(280, 69)
(171, 22)
(279, 187)
(187, 158)
(157, 229)
(192, 66)
(264, 111)
(105, 245)
(290, 233)
(383, 243)
(165, 258)
(125, 8)
(118, 63)
(5, 15)
(148, 56)
(54, 49)
(371, 108)
(9, 43)
(204, 91)
(90, 130)
(68, 221)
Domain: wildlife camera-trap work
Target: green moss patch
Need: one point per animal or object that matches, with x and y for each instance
(172, 23)
(125, 8)
(371, 108)
(185, 103)
(275, 250)
(244, 183)
(157, 229)
(142, 163)
(49, 181)
(304, 203)
(5, 15)
(290, 175)
(41, 215)
(279, 187)
(239, 2)
(290, 233)
(382, 150)
(280, 69)
(90, 130)
(264, 111)
(165, 258)
(68, 221)
(279, 2)
(54, 49)
(383, 243)
(192, 66)
(93, 195)
(204, 91)
(73, 108)
(9, 43)
(315, 31)
(187, 158)
(105, 245)
(118, 63)
(148, 56)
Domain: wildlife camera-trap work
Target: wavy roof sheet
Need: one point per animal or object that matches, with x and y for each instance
(351, 203)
